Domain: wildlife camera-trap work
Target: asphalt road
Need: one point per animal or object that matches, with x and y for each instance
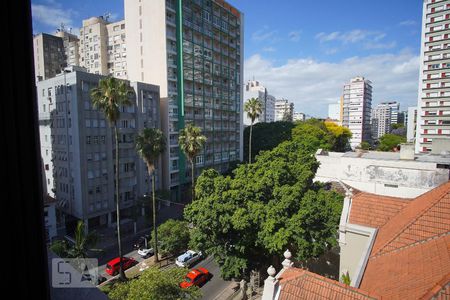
(216, 284)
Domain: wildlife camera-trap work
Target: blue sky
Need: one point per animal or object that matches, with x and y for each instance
(304, 50)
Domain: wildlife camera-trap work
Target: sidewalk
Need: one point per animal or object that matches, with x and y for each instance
(229, 291)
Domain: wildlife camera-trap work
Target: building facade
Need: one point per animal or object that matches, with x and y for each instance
(395, 110)
(253, 89)
(357, 107)
(117, 50)
(49, 56)
(433, 106)
(334, 111)
(71, 47)
(411, 124)
(284, 110)
(78, 148)
(194, 51)
(381, 120)
(299, 116)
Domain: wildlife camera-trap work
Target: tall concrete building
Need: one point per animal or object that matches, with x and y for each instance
(117, 50)
(357, 107)
(78, 148)
(395, 110)
(253, 89)
(49, 56)
(71, 46)
(411, 124)
(334, 111)
(298, 116)
(194, 51)
(433, 108)
(381, 120)
(284, 110)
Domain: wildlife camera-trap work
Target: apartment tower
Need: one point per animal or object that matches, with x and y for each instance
(433, 106)
(253, 89)
(357, 105)
(284, 110)
(194, 51)
(381, 120)
(49, 56)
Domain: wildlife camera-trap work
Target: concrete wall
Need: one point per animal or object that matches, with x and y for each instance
(398, 178)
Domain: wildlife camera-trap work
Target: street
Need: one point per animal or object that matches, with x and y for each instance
(216, 284)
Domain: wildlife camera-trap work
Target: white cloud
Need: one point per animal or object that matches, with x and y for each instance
(407, 23)
(52, 15)
(269, 49)
(313, 84)
(294, 36)
(264, 34)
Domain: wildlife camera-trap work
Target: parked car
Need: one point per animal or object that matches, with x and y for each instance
(197, 277)
(146, 252)
(141, 242)
(112, 267)
(188, 258)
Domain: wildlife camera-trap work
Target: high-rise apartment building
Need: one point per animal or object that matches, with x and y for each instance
(298, 116)
(71, 47)
(284, 110)
(194, 51)
(334, 111)
(78, 147)
(253, 89)
(433, 108)
(381, 120)
(49, 56)
(117, 50)
(411, 124)
(395, 110)
(357, 105)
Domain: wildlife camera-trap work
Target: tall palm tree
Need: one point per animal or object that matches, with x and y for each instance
(191, 141)
(110, 95)
(150, 144)
(253, 108)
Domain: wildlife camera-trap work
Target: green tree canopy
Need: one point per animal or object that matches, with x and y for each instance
(173, 236)
(155, 284)
(389, 142)
(266, 207)
(267, 136)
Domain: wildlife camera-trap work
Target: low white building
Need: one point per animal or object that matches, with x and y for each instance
(398, 174)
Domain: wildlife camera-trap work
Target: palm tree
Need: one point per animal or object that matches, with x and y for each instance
(150, 144)
(108, 97)
(191, 141)
(83, 242)
(253, 108)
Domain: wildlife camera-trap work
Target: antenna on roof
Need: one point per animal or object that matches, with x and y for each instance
(62, 28)
(106, 16)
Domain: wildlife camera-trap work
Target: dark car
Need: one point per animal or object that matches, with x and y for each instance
(141, 242)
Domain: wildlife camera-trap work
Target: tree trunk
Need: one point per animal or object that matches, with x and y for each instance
(250, 144)
(155, 230)
(119, 240)
(193, 179)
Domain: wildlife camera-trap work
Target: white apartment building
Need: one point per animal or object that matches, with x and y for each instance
(433, 108)
(78, 148)
(284, 110)
(71, 47)
(299, 116)
(411, 124)
(381, 120)
(334, 111)
(117, 50)
(194, 51)
(395, 110)
(253, 89)
(357, 104)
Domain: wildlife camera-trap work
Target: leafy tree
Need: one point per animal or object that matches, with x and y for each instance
(110, 95)
(312, 137)
(268, 135)
(191, 141)
(150, 144)
(364, 146)
(397, 126)
(173, 236)
(389, 142)
(266, 207)
(155, 284)
(340, 136)
(253, 108)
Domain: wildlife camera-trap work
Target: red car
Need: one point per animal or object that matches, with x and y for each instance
(196, 277)
(112, 267)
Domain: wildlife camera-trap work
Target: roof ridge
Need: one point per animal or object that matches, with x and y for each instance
(441, 191)
(410, 245)
(440, 285)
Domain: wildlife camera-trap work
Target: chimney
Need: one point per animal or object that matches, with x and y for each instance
(407, 151)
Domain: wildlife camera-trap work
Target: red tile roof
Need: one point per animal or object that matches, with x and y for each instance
(301, 284)
(411, 253)
(374, 210)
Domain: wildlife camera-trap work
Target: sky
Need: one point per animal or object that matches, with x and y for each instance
(304, 51)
